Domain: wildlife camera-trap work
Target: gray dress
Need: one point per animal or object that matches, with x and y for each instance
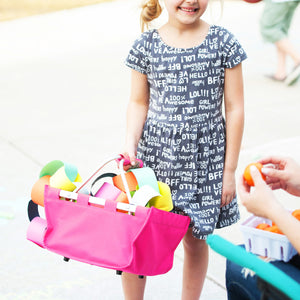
(183, 138)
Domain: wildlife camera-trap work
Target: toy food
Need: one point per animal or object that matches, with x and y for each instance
(164, 201)
(56, 174)
(247, 174)
(37, 191)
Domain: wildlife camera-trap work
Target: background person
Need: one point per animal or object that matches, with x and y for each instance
(274, 27)
(282, 173)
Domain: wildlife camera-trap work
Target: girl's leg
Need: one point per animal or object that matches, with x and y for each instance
(133, 286)
(194, 266)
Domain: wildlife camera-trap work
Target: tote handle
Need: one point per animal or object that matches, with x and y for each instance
(96, 173)
(121, 159)
(118, 158)
(100, 201)
(122, 173)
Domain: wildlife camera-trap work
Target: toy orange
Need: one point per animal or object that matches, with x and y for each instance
(247, 174)
(296, 214)
(263, 226)
(37, 191)
(131, 181)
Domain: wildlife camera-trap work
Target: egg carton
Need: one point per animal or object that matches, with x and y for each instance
(265, 243)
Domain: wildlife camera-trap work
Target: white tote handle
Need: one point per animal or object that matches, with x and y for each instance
(96, 173)
(100, 201)
(122, 173)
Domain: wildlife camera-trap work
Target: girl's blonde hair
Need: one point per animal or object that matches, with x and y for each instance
(151, 10)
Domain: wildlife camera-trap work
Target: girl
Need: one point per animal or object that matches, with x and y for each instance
(180, 74)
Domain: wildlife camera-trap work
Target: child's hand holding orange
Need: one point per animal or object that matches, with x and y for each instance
(259, 200)
(247, 173)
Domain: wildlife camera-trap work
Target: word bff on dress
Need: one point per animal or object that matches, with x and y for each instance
(120, 221)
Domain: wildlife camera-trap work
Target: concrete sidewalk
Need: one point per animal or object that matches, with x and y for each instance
(64, 91)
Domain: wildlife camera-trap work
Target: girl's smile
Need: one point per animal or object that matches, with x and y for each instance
(185, 12)
(189, 10)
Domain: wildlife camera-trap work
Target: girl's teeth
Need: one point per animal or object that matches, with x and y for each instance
(188, 10)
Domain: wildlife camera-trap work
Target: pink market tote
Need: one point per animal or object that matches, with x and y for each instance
(107, 233)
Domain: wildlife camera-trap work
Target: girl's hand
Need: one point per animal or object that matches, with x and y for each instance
(229, 188)
(130, 157)
(130, 154)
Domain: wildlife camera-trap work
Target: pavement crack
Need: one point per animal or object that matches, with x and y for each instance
(216, 282)
(20, 150)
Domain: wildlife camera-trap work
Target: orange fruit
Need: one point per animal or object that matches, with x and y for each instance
(274, 229)
(263, 226)
(296, 214)
(247, 174)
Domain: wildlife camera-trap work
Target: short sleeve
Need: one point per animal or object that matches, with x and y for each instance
(137, 58)
(234, 52)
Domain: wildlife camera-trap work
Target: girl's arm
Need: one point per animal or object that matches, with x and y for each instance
(234, 115)
(136, 113)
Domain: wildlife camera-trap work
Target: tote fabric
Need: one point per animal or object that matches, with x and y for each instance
(143, 243)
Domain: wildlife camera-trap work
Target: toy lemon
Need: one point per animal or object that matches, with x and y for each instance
(64, 177)
(163, 202)
(55, 174)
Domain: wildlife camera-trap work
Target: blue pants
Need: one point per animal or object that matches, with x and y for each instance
(241, 288)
